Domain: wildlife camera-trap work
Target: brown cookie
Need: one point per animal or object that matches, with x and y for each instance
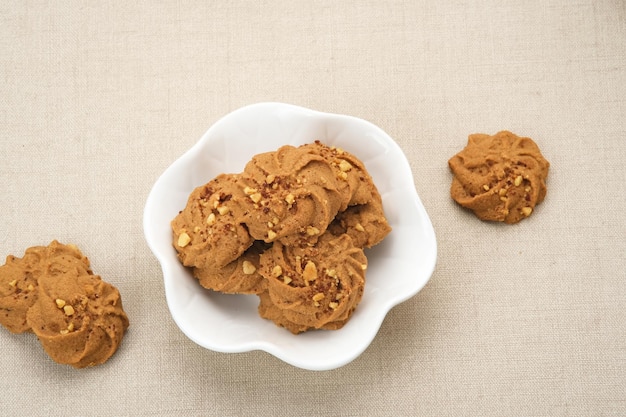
(77, 317)
(298, 191)
(209, 232)
(312, 287)
(19, 280)
(500, 177)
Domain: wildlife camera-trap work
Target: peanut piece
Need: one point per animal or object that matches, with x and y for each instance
(248, 268)
(277, 271)
(183, 240)
(69, 310)
(310, 271)
(60, 303)
(526, 211)
(312, 231)
(345, 166)
(319, 296)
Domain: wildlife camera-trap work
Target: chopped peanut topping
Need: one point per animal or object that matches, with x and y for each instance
(270, 178)
(277, 271)
(526, 211)
(333, 305)
(271, 235)
(70, 327)
(332, 273)
(211, 219)
(518, 180)
(248, 268)
(256, 197)
(64, 331)
(69, 310)
(249, 190)
(310, 271)
(223, 210)
(312, 231)
(30, 287)
(60, 303)
(343, 175)
(183, 240)
(345, 166)
(502, 192)
(286, 279)
(359, 227)
(486, 187)
(290, 199)
(319, 296)
(13, 283)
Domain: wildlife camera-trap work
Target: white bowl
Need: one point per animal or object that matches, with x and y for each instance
(398, 267)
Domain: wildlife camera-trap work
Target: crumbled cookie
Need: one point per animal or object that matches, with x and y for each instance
(312, 199)
(500, 177)
(77, 317)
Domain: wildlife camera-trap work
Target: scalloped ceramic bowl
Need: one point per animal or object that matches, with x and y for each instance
(398, 267)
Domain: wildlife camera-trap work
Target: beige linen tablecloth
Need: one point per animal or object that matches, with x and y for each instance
(98, 98)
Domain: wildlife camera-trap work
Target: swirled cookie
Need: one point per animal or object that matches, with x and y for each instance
(19, 280)
(209, 232)
(298, 191)
(312, 287)
(500, 177)
(77, 317)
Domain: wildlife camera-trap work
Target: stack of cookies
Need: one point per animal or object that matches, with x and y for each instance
(290, 228)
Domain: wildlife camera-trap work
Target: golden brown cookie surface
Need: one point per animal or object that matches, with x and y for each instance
(77, 317)
(209, 232)
(312, 287)
(19, 280)
(500, 177)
